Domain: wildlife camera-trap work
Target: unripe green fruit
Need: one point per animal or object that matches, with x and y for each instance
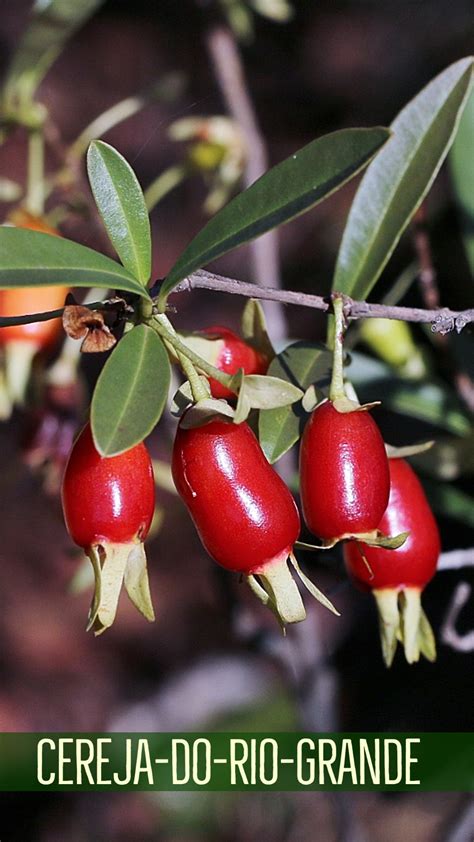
(392, 342)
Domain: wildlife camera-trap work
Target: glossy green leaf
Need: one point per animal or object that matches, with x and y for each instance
(426, 401)
(53, 23)
(285, 191)
(461, 160)
(33, 259)
(121, 205)
(397, 181)
(302, 364)
(131, 392)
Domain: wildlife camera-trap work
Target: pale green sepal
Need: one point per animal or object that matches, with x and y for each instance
(426, 638)
(410, 611)
(344, 405)
(265, 599)
(389, 622)
(254, 328)
(312, 398)
(283, 591)
(387, 542)
(183, 398)
(311, 587)
(110, 562)
(243, 407)
(206, 410)
(136, 582)
(409, 450)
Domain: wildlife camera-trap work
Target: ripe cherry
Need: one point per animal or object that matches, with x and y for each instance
(244, 514)
(397, 577)
(108, 506)
(229, 353)
(344, 475)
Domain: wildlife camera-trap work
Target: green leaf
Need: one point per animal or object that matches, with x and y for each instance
(53, 23)
(302, 364)
(131, 392)
(121, 205)
(285, 191)
(32, 259)
(397, 181)
(461, 160)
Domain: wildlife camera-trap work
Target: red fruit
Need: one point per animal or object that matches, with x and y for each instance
(108, 506)
(344, 475)
(232, 355)
(399, 576)
(245, 516)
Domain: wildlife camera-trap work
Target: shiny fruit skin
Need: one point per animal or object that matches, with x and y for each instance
(23, 300)
(235, 354)
(242, 510)
(414, 563)
(107, 499)
(344, 475)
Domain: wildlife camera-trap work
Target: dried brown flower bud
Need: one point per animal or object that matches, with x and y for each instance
(82, 323)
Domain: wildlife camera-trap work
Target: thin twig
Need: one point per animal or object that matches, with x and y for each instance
(442, 320)
(227, 62)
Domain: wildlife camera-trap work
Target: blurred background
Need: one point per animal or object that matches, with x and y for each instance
(151, 79)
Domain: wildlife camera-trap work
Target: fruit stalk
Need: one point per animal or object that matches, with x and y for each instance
(336, 390)
(163, 326)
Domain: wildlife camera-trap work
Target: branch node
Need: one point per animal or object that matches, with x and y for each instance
(444, 322)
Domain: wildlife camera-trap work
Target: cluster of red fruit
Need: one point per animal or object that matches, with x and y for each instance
(247, 518)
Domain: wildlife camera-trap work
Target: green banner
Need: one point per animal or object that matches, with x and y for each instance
(237, 761)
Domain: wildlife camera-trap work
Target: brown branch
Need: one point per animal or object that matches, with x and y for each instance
(442, 320)
(110, 304)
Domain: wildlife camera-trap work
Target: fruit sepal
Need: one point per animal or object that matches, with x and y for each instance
(402, 620)
(376, 538)
(345, 405)
(408, 450)
(276, 588)
(116, 565)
